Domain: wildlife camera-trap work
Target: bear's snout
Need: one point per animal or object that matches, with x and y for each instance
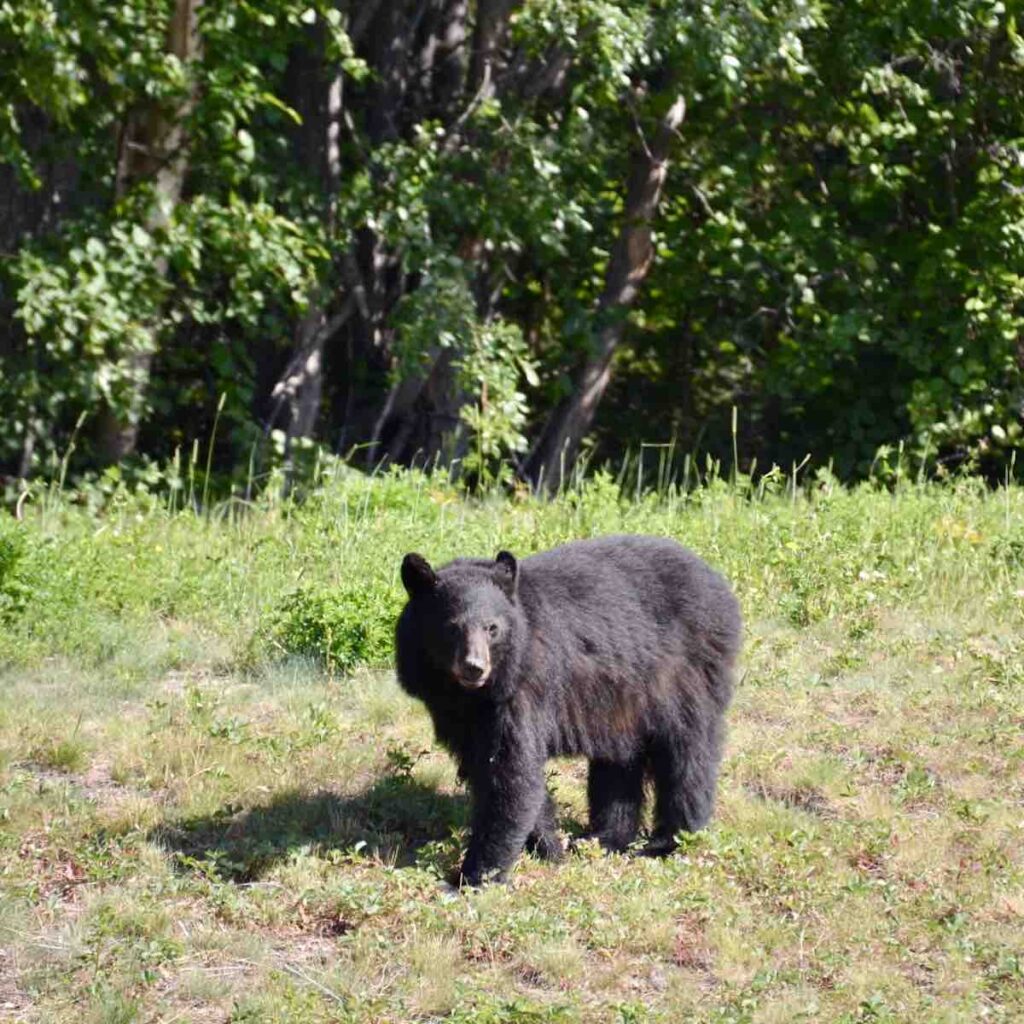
(473, 672)
(473, 665)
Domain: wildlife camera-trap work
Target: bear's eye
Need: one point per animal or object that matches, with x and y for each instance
(493, 629)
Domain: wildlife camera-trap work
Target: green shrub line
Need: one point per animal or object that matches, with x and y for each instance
(251, 584)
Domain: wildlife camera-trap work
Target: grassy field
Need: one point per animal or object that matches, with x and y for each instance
(215, 804)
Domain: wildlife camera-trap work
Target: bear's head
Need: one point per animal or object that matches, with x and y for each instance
(468, 615)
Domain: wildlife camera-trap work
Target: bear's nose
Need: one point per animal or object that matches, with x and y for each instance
(473, 671)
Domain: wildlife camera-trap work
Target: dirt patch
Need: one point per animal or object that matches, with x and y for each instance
(692, 950)
(868, 862)
(800, 798)
(95, 785)
(14, 1004)
(56, 872)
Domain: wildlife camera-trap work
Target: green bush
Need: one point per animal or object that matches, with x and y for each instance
(342, 628)
(13, 588)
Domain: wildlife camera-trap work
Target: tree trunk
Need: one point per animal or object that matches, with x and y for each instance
(555, 453)
(419, 417)
(303, 382)
(300, 388)
(390, 39)
(153, 149)
(488, 35)
(301, 385)
(441, 59)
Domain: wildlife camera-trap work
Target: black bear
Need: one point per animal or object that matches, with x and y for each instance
(621, 649)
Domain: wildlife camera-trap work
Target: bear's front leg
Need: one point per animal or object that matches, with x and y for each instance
(543, 839)
(508, 792)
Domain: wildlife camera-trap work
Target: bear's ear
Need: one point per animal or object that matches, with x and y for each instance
(506, 572)
(417, 576)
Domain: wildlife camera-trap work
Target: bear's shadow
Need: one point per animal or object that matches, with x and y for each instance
(394, 818)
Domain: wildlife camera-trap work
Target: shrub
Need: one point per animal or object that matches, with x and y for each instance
(13, 588)
(342, 628)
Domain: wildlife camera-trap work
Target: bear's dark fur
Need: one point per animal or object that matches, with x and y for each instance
(620, 649)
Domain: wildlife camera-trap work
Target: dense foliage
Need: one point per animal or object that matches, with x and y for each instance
(422, 230)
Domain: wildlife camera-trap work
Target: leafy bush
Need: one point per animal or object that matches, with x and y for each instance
(13, 588)
(488, 360)
(343, 628)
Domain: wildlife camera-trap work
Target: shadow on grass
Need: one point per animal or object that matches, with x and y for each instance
(395, 818)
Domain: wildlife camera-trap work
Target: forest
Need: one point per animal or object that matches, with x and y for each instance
(511, 237)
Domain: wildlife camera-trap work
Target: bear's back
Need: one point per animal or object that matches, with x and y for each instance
(650, 580)
(625, 633)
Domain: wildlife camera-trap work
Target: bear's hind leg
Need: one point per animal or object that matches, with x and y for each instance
(615, 793)
(685, 770)
(543, 841)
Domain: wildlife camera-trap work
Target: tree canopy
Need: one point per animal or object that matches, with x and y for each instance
(497, 233)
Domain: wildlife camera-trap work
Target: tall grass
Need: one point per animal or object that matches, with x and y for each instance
(803, 550)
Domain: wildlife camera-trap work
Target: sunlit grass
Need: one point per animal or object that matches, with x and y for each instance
(196, 824)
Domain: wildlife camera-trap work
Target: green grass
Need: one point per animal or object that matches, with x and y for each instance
(216, 805)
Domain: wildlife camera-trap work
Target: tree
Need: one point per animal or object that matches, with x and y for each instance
(153, 154)
(459, 231)
(556, 448)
